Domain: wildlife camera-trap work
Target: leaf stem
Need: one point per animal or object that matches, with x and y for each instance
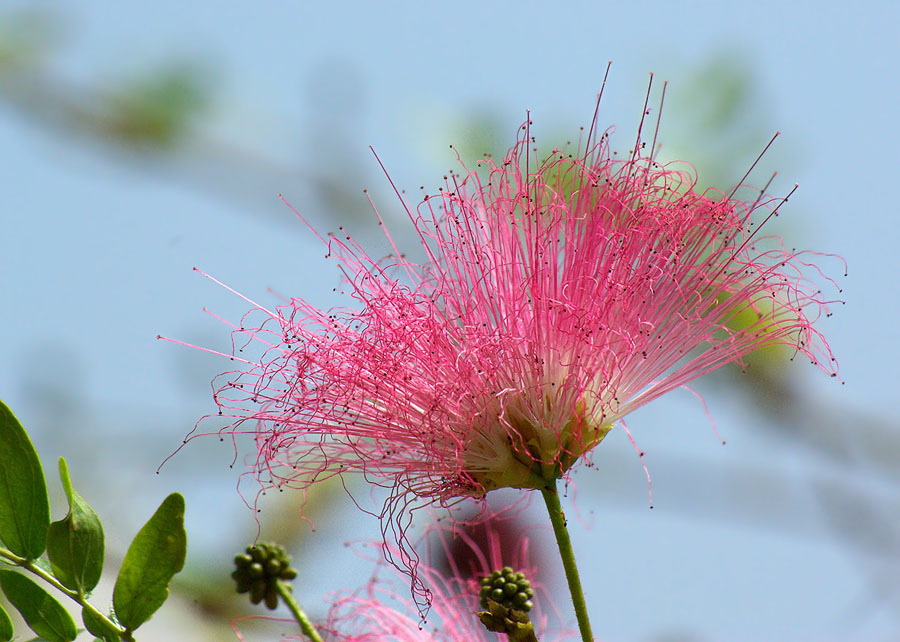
(305, 625)
(554, 509)
(31, 567)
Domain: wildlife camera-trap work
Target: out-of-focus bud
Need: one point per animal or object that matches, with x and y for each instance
(259, 569)
(506, 596)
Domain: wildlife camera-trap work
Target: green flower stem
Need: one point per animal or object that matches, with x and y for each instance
(305, 625)
(554, 508)
(31, 567)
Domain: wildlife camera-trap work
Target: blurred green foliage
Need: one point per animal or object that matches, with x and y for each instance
(157, 107)
(26, 38)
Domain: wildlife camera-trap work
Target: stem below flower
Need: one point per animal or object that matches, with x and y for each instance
(554, 508)
(305, 625)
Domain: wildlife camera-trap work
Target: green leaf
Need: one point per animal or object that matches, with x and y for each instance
(75, 543)
(6, 630)
(40, 610)
(24, 506)
(103, 629)
(153, 558)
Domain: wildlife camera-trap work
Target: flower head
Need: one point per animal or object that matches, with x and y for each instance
(458, 610)
(553, 299)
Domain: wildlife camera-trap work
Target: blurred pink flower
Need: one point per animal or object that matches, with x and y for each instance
(553, 298)
(378, 613)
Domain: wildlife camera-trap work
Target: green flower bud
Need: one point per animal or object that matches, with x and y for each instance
(508, 588)
(258, 571)
(504, 596)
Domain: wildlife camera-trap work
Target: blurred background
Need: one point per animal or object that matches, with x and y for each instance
(139, 141)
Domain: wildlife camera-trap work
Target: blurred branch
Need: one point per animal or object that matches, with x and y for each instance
(872, 534)
(846, 436)
(152, 120)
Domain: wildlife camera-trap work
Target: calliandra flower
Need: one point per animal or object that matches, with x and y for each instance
(378, 613)
(553, 298)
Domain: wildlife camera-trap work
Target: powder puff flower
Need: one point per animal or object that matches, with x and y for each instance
(554, 297)
(378, 614)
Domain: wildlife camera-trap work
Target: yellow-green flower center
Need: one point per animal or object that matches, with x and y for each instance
(523, 447)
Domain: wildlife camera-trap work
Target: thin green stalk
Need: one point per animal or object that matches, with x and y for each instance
(554, 508)
(30, 566)
(305, 625)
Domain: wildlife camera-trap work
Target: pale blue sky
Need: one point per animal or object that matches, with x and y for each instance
(97, 253)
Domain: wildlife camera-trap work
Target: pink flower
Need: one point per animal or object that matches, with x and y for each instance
(553, 299)
(379, 614)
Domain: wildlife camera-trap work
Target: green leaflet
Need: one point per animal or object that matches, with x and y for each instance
(155, 555)
(75, 543)
(99, 627)
(39, 609)
(24, 506)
